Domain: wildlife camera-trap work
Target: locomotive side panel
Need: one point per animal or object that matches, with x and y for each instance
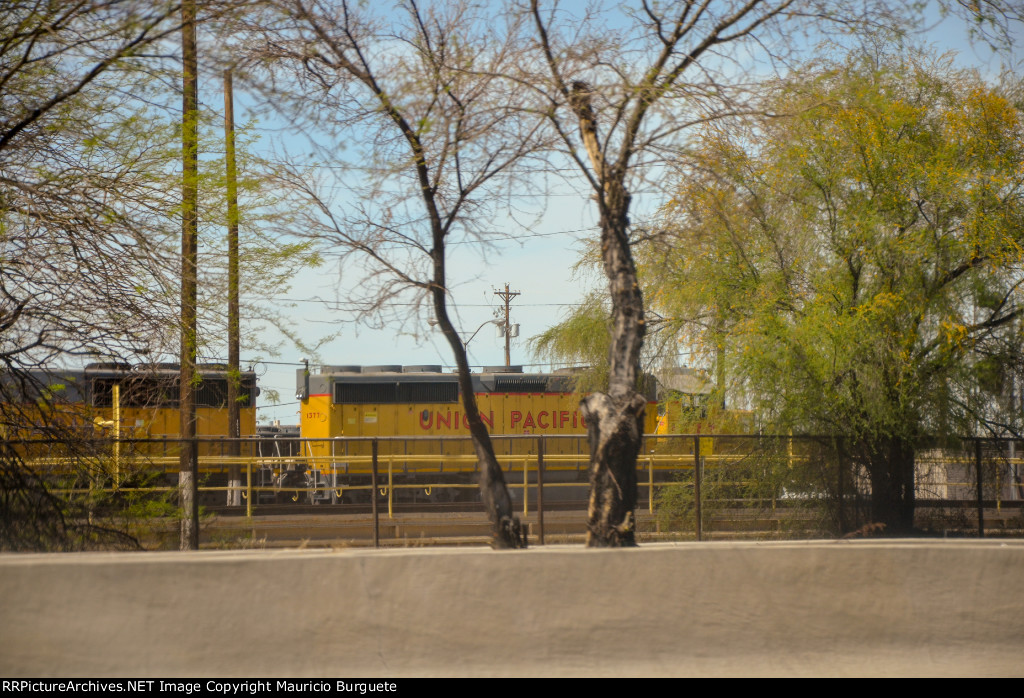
(128, 415)
(147, 401)
(354, 402)
(371, 404)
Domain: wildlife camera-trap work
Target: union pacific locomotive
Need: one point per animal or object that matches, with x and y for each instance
(120, 422)
(423, 401)
(422, 406)
(147, 399)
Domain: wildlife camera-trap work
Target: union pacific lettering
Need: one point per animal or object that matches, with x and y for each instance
(515, 419)
(546, 420)
(430, 419)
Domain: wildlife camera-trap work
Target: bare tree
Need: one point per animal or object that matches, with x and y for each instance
(435, 133)
(89, 270)
(85, 271)
(602, 97)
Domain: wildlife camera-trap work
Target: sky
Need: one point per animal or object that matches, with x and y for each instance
(539, 267)
(539, 264)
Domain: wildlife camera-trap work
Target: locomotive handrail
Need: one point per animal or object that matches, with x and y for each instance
(676, 461)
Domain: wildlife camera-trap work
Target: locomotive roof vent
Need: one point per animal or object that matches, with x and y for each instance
(108, 366)
(158, 367)
(422, 368)
(521, 384)
(385, 368)
(211, 367)
(502, 369)
(341, 369)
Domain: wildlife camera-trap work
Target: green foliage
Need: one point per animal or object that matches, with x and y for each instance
(270, 256)
(137, 502)
(860, 259)
(90, 234)
(62, 495)
(854, 267)
(754, 478)
(581, 339)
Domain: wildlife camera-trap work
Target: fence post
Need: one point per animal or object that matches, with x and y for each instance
(117, 435)
(981, 504)
(391, 483)
(650, 483)
(696, 484)
(526, 486)
(842, 498)
(540, 491)
(373, 494)
(248, 488)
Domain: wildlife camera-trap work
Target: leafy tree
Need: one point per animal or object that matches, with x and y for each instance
(622, 88)
(270, 254)
(860, 260)
(77, 187)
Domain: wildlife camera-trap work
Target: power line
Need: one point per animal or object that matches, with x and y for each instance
(460, 305)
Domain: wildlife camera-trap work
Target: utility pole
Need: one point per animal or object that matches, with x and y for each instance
(234, 375)
(507, 296)
(188, 472)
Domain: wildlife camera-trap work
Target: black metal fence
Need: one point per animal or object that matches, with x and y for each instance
(700, 484)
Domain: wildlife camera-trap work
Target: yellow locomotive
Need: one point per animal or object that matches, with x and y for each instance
(136, 406)
(361, 401)
(421, 405)
(149, 395)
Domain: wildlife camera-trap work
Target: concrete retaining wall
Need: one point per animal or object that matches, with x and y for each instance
(833, 609)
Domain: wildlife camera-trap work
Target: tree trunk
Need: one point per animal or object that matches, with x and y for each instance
(506, 529)
(615, 419)
(891, 467)
(507, 532)
(615, 428)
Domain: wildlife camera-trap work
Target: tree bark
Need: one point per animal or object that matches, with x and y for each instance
(891, 468)
(615, 420)
(614, 428)
(506, 529)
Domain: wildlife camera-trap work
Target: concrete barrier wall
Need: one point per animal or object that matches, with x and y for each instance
(723, 609)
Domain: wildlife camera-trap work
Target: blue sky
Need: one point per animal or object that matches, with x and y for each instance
(538, 263)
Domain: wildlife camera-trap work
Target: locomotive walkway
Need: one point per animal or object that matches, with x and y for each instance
(835, 608)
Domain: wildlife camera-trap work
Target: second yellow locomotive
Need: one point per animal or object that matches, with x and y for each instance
(423, 401)
(420, 408)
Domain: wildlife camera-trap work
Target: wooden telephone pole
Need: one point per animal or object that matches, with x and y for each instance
(234, 374)
(507, 296)
(188, 470)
